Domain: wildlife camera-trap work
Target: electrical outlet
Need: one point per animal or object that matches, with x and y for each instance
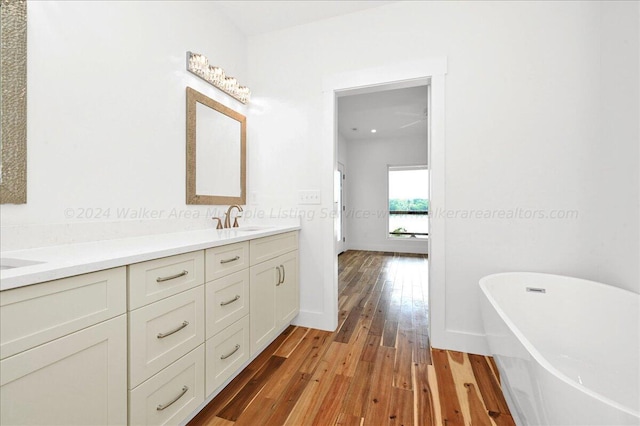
(308, 197)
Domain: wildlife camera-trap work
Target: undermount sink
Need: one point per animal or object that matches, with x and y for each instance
(252, 228)
(7, 263)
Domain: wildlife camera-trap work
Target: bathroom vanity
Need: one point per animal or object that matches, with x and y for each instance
(140, 330)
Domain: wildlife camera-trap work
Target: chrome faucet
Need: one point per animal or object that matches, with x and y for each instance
(227, 218)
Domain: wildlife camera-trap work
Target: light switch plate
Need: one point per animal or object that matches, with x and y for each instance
(309, 197)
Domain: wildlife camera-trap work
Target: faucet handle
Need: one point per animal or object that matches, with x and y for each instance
(219, 226)
(235, 222)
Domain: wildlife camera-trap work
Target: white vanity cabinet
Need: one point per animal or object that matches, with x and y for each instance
(64, 350)
(147, 343)
(166, 338)
(275, 298)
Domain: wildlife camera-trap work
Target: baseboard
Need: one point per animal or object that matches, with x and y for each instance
(454, 340)
(316, 320)
(414, 247)
(461, 341)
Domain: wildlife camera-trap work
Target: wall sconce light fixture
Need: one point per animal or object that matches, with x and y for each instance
(199, 65)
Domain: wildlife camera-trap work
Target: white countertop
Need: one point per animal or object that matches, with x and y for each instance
(74, 259)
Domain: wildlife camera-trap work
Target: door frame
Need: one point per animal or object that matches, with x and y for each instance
(340, 240)
(407, 74)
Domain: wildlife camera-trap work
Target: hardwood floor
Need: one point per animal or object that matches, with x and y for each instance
(376, 369)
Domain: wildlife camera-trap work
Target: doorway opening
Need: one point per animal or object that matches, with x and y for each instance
(429, 72)
(383, 141)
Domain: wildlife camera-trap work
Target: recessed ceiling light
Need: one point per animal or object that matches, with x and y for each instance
(373, 130)
(355, 129)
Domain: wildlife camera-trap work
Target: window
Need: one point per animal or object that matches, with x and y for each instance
(408, 202)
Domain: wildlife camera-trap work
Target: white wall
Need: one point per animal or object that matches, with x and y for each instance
(342, 154)
(526, 130)
(617, 166)
(106, 117)
(541, 113)
(367, 183)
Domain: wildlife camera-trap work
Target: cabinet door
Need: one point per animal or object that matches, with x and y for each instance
(262, 312)
(287, 292)
(79, 379)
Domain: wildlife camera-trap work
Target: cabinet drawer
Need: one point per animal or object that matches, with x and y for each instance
(266, 248)
(225, 260)
(226, 301)
(79, 379)
(32, 315)
(164, 331)
(172, 394)
(226, 352)
(156, 279)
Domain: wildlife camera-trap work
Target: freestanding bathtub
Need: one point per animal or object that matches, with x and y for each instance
(568, 350)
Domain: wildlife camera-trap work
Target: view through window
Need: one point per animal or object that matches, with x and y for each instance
(408, 202)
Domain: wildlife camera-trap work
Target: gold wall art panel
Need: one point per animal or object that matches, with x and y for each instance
(13, 100)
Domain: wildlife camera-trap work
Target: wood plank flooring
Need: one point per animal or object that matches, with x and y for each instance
(376, 369)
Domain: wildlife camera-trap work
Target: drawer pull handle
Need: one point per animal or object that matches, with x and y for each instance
(228, 302)
(175, 330)
(161, 407)
(171, 277)
(230, 353)
(233, 259)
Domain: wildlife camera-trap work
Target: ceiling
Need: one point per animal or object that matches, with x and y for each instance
(259, 17)
(393, 114)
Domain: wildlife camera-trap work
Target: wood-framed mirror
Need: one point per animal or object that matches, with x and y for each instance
(216, 152)
(13, 101)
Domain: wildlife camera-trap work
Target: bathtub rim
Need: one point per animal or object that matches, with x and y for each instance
(535, 354)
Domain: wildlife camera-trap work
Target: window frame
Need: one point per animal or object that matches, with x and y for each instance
(412, 235)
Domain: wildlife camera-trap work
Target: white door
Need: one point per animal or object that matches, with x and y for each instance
(340, 209)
